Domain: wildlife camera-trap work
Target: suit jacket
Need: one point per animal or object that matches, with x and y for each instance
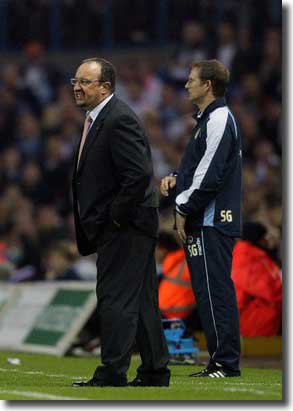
(113, 179)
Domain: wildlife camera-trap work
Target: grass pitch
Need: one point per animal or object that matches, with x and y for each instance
(43, 377)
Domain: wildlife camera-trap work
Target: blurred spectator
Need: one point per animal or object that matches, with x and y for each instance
(271, 65)
(10, 167)
(166, 243)
(40, 79)
(227, 46)
(251, 132)
(6, 267)
(193, 47)
(33, 185)
(176, 297)
(70, 134)
(167, 105)
(251, 92)
(246, 58)
(138, 85)
(10, 86)
(19, 234)
(86, 268)
(258, 282)
(57, 170)
(135, 96)
(59, 262)
(265, 158)
(28, 138)
(51, 227)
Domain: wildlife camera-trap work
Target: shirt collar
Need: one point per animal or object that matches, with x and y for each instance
(96, 111)
(218, 102)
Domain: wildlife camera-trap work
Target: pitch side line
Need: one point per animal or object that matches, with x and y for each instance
(42, 373)
(236, 384)
(39, 395)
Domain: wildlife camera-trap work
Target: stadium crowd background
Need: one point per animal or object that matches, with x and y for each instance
(152, 48)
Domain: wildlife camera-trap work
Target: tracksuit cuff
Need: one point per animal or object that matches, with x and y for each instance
(180, 211)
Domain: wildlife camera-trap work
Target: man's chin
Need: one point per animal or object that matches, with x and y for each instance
(80, 103)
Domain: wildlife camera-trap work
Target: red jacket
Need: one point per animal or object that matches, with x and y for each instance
(258, 285)
(176, 298)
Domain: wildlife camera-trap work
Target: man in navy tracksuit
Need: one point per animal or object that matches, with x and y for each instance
(208, 213)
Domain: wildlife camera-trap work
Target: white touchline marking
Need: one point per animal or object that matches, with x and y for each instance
(231, 384)
(42, 373)
(232, 389)
(44, 396)
(253, 383)
(244, 390)
(229, 381)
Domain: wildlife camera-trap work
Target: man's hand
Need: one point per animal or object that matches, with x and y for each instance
(272, 237)
(167, 183)
(180, 226)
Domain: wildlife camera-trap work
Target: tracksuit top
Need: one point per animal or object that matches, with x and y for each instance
(209, 180)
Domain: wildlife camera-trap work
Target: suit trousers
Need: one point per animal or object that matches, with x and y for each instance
(127, 294)
(209, 258)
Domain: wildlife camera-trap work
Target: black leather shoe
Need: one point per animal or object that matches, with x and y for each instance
(137, 382)
(90, 383)
(93, 382)
(151, 381)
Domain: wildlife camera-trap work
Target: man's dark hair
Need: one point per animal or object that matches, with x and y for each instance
(216, 72)
(108, 71)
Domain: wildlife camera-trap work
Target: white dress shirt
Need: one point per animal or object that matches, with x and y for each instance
(96, 111)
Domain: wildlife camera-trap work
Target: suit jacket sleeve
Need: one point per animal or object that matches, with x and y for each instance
(132, 166)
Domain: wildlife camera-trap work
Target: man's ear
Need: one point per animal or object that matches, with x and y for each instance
(107, 86)
(209, 84)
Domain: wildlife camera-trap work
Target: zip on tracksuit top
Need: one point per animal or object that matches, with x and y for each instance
(209, 180)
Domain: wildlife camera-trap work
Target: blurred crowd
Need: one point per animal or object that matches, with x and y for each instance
(88, 24)
(40, 128)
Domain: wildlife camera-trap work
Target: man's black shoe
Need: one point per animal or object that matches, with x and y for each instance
(137, 382)
(216, 371)
(93, 382)
(151, 381)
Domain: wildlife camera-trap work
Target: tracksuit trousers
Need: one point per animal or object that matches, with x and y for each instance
(209, 257)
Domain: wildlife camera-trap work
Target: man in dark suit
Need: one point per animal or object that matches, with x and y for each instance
(115, 211)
